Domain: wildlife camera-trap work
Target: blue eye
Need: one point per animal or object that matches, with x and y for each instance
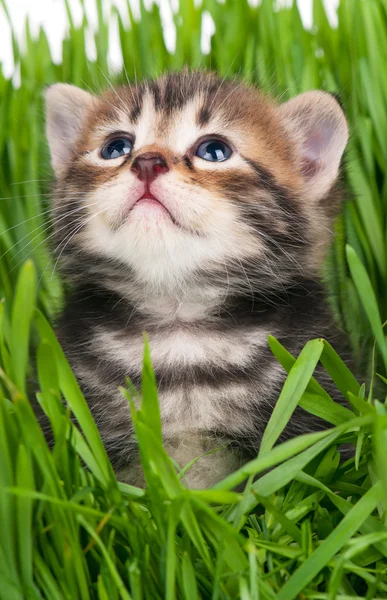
(116, 148)
(213, 151)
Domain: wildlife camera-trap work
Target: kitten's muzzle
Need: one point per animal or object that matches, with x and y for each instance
(148, 166)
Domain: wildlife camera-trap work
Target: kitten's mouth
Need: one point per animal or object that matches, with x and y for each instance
(155, 205)
(150, 199)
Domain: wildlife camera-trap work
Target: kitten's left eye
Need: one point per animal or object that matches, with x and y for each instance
(115, 148)
(213, 151)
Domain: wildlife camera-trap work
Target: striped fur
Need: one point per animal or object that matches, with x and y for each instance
(235, 256)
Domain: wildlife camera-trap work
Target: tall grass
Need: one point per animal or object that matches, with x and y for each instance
(310, 526)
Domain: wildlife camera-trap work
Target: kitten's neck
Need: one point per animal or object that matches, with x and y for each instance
(104, 286)
(298, 304)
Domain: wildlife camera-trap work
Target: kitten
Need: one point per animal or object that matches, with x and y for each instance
(198, 210)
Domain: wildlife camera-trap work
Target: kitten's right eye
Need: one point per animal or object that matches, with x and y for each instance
(117, 147)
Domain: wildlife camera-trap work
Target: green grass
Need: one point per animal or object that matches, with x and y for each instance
(309, 526)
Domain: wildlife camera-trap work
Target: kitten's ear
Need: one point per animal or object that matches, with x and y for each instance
(319, 129)
(66, 109)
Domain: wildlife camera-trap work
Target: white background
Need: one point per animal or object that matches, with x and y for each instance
(51, 14)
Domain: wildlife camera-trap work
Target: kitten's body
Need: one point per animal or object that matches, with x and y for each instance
(218, 380)
(234, 257)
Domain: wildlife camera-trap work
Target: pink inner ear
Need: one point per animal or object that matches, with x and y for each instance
(316, 148)
(311, 154)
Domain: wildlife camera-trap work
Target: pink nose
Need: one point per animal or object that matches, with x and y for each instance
(149, 165)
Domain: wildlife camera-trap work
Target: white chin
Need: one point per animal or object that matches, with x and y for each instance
(150, 245)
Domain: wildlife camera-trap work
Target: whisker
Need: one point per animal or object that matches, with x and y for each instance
(72, 236)
(44, 212)
(41, 195)
(46, 228)
(31, 181)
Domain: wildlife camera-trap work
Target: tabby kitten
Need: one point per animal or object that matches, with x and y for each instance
(198, 210)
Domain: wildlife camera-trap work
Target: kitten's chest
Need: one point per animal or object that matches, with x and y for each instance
(207, 379)
(183, 351)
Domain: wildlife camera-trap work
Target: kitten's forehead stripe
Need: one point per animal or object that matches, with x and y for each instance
(154, 88)
(173, 97)
(180, 88)
(136, 106)
(203, 116)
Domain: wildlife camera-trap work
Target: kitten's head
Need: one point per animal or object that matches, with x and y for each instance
(193, 176)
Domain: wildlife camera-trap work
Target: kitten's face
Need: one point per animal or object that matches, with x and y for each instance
(191, 174)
